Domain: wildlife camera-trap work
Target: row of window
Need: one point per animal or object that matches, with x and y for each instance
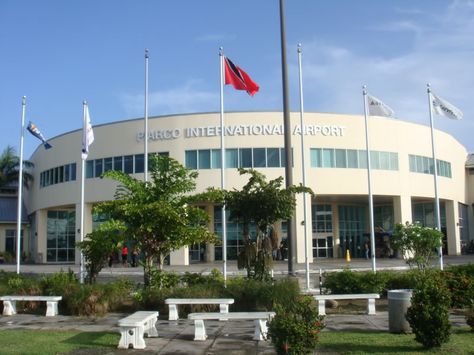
(236, 158)
(60, 174)
(352, 158)
(249, 158)
(424, 165)
(129, 164)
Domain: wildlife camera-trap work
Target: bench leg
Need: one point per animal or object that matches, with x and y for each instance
(9, 308)
(150, 328)
(224, 308)
(371, 306)
(173, 312)
(199, 330)
(51, 308)
(133, 336)
(322, 307)
(260, 329)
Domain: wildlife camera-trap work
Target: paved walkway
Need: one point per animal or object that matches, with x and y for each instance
(229, 338)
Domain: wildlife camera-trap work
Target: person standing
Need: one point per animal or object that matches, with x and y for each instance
(124, 255)
(134, 256)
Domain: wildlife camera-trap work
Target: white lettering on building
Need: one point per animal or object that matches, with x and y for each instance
(242, 130)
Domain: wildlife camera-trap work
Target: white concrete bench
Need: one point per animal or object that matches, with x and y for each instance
(173, 304)
(260, 318)
(134, 327)
(370, 297)
(9, 303)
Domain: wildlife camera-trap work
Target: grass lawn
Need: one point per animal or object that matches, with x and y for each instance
(360, 342)
(43, 342)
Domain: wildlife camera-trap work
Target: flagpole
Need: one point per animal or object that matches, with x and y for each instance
(146, 119)
(20, 187)
(435, 170)
(224, 219)
(83, 164)
(303, 165)
(369, 183)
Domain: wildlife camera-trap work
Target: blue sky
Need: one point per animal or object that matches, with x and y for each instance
(59, 53)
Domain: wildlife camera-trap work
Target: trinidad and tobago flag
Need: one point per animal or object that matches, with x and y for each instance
(238, 78)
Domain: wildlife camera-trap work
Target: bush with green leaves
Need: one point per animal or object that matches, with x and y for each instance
(417, 244)
(470, 317)
(296, 326)
(428, 314)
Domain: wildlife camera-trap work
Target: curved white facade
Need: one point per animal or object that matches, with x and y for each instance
(334, 165)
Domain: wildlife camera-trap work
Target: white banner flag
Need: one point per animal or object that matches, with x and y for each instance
(444, 108)
(378, 108)
(87, 134)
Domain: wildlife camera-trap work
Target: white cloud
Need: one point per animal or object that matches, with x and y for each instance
(440, 52)
(187, 98)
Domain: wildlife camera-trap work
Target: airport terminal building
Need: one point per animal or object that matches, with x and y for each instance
(335, 168)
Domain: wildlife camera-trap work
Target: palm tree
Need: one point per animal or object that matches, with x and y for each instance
(10, 168)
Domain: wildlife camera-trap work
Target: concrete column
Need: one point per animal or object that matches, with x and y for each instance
(402, 211)
(180, 256)
(335, 231)
(41, 235)
(300, 228)
(452, 227)
(210, 247)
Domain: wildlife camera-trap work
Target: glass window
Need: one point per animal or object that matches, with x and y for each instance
(341, 158)
(118, 163)
(56, 175)
(89, 169)
(362, 159)
(231, 158)
(273, 157)
(61, 174)
(245, 155)
(204, 159)
(384, 160)
(374, 160)
(315, 157)
(393, 161)
(412, 159)
(328, 158)
(216, 158)
(67, 169)
(282, 157)
(191, 159)
(139, 163)
(98, 167)
(107, 164)
(73, 171)
(128, 164)
(352, 161)
(259, 158)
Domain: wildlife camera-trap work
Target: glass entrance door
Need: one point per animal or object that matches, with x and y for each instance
(323, 247)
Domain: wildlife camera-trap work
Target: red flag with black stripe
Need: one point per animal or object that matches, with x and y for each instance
(239, 79)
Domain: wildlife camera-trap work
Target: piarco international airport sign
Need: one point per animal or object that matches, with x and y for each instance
(240, 130)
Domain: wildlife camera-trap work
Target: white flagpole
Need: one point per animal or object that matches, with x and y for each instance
(20, 187)
(369, 183)
(145, 138)
(83, 164)
(303, 165)
(224, 219)
(435, 170)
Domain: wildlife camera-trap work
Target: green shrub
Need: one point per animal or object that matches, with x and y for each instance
(428, 315)
(470, 317)
(255, 295)
(163, 279)
(461, 288)
(296, 326)
(118, 295)
(191, 279)
(87, 300)
(343, 282)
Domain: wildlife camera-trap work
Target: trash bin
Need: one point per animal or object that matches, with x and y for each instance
(398, 303)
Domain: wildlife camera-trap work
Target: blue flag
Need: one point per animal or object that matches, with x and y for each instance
(36, 132)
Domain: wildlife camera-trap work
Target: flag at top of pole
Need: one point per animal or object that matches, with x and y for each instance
(87, 133)
(444, 108)
(36, 132)
(377, 108)
(238, 78)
